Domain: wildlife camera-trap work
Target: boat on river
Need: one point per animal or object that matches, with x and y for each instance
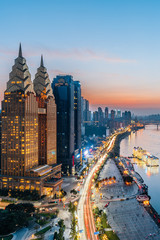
(141, 154)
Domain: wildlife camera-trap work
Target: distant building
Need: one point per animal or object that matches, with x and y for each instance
(100, 117)
(25, 164)
(95, 118)
(118, 114)
(106, 112)
(127, 117)
(86, 112)
(106, 116)
(113, 113)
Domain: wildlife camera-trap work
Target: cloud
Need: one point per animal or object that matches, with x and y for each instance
(75, 54)
(84, 55)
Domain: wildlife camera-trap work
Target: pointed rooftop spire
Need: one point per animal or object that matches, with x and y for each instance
(20, 51)
(42, 64)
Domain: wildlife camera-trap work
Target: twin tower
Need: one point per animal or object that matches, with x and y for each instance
(28, 122)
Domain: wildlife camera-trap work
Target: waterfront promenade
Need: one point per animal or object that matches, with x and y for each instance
(127, 218)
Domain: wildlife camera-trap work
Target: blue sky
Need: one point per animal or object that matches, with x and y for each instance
(112, 47)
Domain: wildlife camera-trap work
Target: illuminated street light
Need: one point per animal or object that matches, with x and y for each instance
(94, 206)
(75, 203)
(104, 237)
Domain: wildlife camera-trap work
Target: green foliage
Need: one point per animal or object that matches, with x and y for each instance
(48, 215)
(128, 179)
(7, 238)
(71, 208)
(44, 230)
(42, 222)
(4, 192)
(8, 201)
(102, 224)
(73, 232)
(25, 195)
(59, 236)
(111, 235)
(61, 223)
(96, 212)
(14, 216)
(23, 207)
(104, 220)
(73, 191)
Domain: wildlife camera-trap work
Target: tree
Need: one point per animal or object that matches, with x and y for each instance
(24, 207)
(61, 223)
(59, 236)
(128, 179)
(73, 191)
(73, 233)
(72, 208)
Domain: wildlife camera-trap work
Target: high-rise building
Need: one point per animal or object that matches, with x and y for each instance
(118, 113)
(86, 112)
(68, 99)
(127, 117)
(0, 135)
(47, 116)
(95, 117)
(113, 113)
(21, 159)
(77, 114)
(100, 116)
(19, 122)
(106, 112)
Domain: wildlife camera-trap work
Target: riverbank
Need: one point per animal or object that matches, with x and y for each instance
(140, 182)
(127, 218)
(115, 152)
(149, 139)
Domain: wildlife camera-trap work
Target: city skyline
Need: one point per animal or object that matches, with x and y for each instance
(107, 48)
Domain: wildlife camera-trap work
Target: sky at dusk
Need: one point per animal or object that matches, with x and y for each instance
(111, 47)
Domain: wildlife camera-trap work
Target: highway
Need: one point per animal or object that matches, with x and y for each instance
(86, 223)
(81, 204)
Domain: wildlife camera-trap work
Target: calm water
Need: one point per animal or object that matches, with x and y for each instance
(148, 139)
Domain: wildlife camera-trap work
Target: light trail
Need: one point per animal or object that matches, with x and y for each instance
(84, 210)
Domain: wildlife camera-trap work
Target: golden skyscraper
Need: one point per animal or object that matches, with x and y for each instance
(19, 122)
(28, 156)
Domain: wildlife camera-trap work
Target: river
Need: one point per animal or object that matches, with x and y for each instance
(148, 139)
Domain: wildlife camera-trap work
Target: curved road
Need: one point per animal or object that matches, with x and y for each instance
(86, 223)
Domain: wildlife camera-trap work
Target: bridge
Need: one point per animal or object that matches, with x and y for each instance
(157, 123)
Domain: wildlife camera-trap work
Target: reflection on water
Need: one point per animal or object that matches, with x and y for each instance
(152, 170)
(148, 139)
(148, 170)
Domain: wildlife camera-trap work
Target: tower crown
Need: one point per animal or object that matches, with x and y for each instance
(42, 64)
(20, 51)
(20, 77)
(42, 84)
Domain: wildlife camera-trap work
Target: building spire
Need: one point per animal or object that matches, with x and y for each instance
(20, 51)
(42, 64)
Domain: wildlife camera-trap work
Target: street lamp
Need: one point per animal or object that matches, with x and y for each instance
(63, 200)
(104, 237)
(94, 206)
